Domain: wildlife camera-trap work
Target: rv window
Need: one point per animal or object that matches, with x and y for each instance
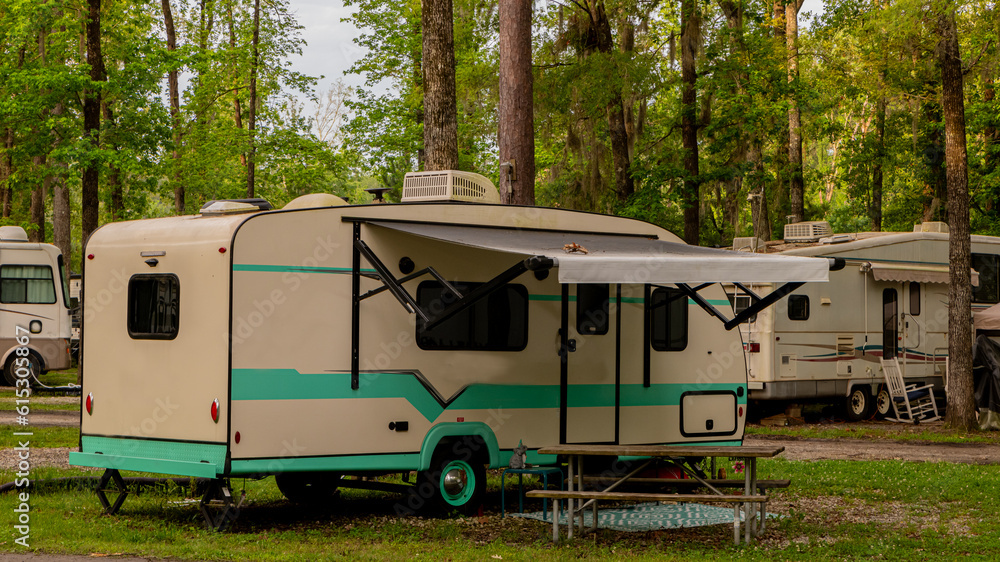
(668, 319)
(914, 299)
(741, 303)
(988, 290)
(498, 322)
(27, 284)
(153, 306)
(798, 307)
(592, 309)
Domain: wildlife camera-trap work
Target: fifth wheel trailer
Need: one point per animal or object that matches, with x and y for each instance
(434, 335)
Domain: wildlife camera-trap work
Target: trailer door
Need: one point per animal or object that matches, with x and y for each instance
(590, 374)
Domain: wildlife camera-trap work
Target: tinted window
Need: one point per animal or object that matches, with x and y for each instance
(27, 284)
(890, 326)
(987, 266)
(798, 307)
(592, 309)
(668, 319)
(914, 299)
(498, 322)
(153, 306)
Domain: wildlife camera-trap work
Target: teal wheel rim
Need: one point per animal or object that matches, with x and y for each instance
(458, 483)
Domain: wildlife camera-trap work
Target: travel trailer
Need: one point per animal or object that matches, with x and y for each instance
(825, 341)
(434, 335)
(34, 313)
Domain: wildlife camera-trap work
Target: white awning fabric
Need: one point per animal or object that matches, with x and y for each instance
(612, 258)
(905, 273)
(988, 319)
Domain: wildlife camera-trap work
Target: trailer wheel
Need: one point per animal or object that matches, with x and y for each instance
(308, 488)
(859, 404)
(459, 485)
(34, 367)
(883, 403)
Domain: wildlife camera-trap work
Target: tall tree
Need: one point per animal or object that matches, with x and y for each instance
(92, 120)
(440, 106)
(961, 412)
(796, 183)
(690, 38)
(252, 121)
(516, 135)
(175, 106)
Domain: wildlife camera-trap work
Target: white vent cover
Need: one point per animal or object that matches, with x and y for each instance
(748, 244)
(12, 233)
(935, 226)
(809, 231)
(449, 185)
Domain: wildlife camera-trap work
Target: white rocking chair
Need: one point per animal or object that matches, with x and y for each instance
(912, 403)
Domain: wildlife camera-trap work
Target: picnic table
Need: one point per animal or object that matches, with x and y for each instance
(752, 500)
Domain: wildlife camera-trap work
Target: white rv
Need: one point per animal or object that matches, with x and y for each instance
(434, 335)
(32, 297)
(825, 341)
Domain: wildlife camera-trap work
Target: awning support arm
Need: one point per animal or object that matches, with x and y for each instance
(534, 263)
(760, 303)
(389, 280)
(427, 270)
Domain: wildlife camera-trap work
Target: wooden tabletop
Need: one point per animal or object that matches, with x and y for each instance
(744, 451)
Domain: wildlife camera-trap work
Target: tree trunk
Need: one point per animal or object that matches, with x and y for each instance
(175, 109)
(6, 171)
(252, 121)
(796, 183)
(516, 135)
(876, 204)
(38, 196)
(440, 105)
(936, 186)
(237, 111)
(690, 28)
(61, 211)
(780, 162)
(961, 412)
(92, 121)
(114, 174)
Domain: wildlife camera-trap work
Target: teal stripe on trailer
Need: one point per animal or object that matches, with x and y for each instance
(290, 384)
(200, 460)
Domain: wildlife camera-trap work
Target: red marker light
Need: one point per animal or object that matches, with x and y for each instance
(222, 250)
(741, 411)
(90, 403)
(215, 410)
(237, 437)
(90, 256)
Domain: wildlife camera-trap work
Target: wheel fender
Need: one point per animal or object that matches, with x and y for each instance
(872, 387)
(442, 431)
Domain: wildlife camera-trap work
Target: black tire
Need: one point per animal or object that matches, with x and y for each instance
(10, 369)
(858, 404)
(883, 403)
(308, 488)
(458, 484)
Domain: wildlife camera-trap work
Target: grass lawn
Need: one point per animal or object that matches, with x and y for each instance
(833, 510)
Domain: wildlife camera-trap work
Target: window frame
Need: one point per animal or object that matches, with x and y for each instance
(995, 274)
(129, 317)
(681, 296)
(466, 286)
(791, 307)
(51, 279)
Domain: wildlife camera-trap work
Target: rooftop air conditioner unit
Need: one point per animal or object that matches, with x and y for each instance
(449, 185)
(931, 226)
(748, 244)
(809, 231)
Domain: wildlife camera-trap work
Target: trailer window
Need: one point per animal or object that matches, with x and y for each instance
(741, 303)
(914, 299)
(592, 309)
(27, 284)
(153, 306)
(798, 307)
(498, 322)
(988, 266)
(668, 319)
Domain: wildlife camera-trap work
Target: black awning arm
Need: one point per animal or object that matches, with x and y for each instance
(389, 280)
(760, 303)
(425, 271)
(749, 293)
(534, 263)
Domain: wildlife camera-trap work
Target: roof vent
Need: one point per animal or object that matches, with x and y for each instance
(748, 244)
(233, 206)
(935, 226)
(449, 185)
(314, 200)
(809, 231)
(836, 239)
(13, 234)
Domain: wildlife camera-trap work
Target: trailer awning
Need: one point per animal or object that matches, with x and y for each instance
(623, 258)
(906, 273)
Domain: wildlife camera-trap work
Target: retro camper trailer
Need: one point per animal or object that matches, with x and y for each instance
(33, 307)
(433, 335)
(825, 341)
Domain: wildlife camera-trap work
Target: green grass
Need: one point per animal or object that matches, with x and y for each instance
(833, 510)
(898, 432)
(43, 437)
(42, 399)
